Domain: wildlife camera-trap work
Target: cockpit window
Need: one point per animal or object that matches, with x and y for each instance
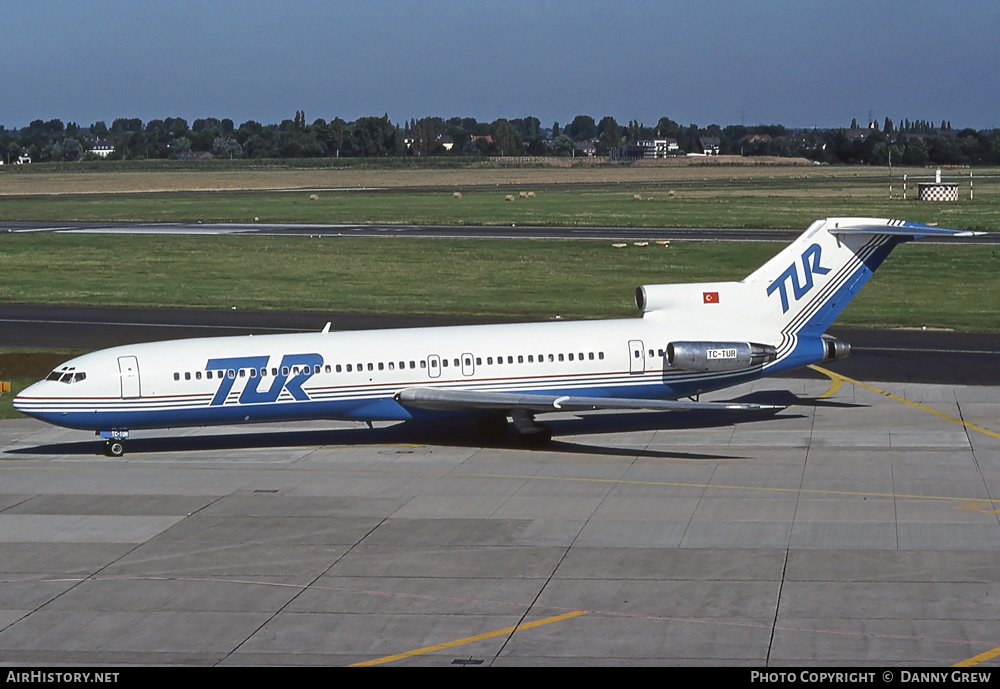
(67, 374)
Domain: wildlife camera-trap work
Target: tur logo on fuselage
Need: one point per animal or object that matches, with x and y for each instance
(810, 267)
(300, 366)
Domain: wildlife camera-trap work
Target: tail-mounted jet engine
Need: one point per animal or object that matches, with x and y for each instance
(718, 356)
(834, 349)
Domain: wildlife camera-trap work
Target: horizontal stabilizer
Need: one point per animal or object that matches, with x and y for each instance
(453, 400)
(898, 228)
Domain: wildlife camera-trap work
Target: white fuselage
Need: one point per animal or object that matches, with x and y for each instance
(355, 375)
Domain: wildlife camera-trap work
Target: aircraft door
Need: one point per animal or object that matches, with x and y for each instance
(468, 364)
(434, 366)
(636, 357)
(128, 367)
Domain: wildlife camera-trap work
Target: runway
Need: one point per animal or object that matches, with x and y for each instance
(447, 231)
(858, 527)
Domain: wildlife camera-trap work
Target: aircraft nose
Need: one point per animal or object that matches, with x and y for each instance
(21, 399)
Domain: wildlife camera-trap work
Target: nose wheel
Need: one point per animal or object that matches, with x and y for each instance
(114, 442)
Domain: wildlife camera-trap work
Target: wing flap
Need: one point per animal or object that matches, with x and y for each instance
(451, 399)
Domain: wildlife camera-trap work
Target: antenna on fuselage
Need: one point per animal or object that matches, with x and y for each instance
(326, 328)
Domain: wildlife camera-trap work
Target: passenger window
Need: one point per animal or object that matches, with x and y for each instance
(468, 361)
(444, 363)
(551, 358)
(423, 364)
(479, 361)
(316, 368)
(349, 369)
(560, 357)
(590, 356)
(284, 370)
(531, 358)
(339, 369)
(520, 358)
(381, 366)
(177, 376)
(391, 366)
(413, 364)
(571, 356)
(187, 375)
(329, 369)
(371, 367)
(600, 355)
(197, 375)
(489, 361)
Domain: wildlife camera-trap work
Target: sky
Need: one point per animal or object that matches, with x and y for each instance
(801, 63)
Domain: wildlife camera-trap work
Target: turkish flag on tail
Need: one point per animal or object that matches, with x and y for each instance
(710, 297)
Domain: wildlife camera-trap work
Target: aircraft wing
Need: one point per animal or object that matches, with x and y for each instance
(452, 399)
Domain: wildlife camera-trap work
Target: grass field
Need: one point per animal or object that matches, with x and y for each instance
(939, 286)
(597, 195)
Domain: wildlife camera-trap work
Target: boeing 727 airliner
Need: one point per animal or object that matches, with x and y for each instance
(691, 338)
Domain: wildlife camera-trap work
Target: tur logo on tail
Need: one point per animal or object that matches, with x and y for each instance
(799, 290)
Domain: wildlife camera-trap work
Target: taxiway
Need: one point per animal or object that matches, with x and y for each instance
(859, 527)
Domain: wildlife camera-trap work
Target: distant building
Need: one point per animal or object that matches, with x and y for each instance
(757, 139)
(648, 149)
(23, 159)
(587, 148)
(660, 148)
(446, 142)
(102, 148)
(709, 145)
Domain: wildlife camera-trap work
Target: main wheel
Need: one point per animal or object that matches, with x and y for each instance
(114, 448)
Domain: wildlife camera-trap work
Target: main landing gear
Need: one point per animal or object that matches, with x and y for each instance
(114, 442)
(529, 433)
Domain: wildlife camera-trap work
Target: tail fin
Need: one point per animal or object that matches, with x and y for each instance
(798, 292)
(807, 285)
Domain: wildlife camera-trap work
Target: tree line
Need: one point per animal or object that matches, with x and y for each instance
(907, 142)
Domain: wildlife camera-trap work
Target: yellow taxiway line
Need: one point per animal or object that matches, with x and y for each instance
(469, 639)
(947, 417)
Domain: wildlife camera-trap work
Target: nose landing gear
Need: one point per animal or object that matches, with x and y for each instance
(114, 445)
